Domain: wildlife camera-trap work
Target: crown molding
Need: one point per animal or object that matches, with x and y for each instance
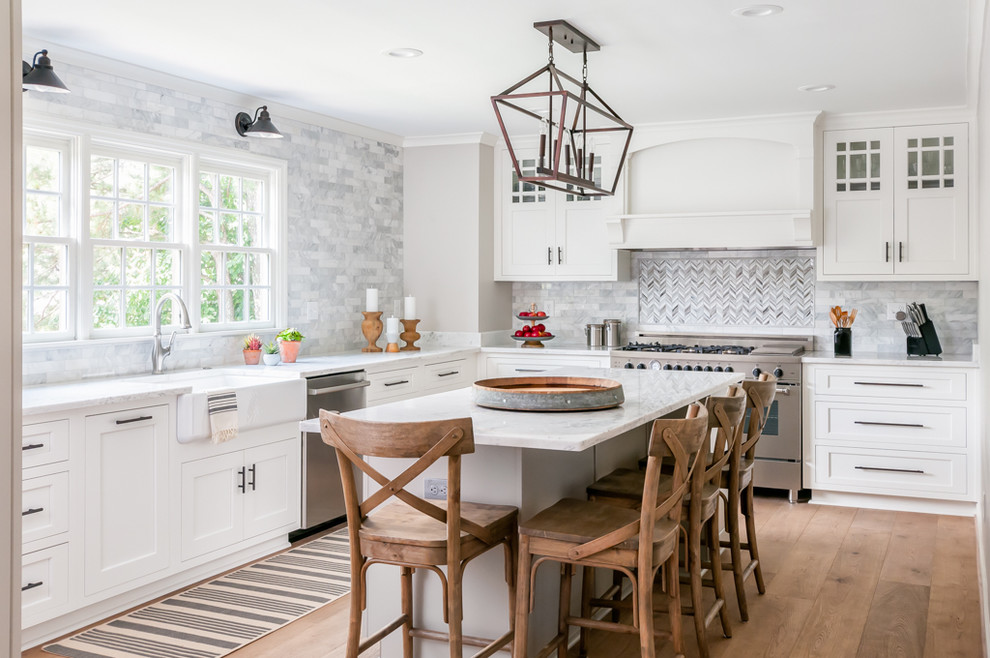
(103, 64)
(483, 138)
(914, 117)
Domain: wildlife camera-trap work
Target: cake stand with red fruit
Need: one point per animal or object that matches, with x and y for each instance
(535, 333)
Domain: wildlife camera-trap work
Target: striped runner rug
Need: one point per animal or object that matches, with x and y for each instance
(223, 615)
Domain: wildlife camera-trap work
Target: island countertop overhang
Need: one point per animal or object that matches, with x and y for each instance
(649, 394)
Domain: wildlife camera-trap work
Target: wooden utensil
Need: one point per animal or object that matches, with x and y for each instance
(852, 318)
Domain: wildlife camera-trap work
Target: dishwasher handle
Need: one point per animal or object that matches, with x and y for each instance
(337, 389)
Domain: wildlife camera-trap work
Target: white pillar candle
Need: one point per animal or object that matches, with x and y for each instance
(410, 308)
(392, 326)
(371, 301)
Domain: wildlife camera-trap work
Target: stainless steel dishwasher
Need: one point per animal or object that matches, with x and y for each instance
(322, 494)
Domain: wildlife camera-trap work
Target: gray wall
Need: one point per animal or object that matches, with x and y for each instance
(727, 279)
(344, 207)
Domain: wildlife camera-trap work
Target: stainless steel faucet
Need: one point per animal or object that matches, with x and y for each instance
(159, 351)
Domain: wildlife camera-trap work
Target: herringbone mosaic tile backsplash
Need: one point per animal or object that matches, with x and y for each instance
(766, 291)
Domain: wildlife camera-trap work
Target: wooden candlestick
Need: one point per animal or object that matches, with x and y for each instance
(409, 335)
(371, 327)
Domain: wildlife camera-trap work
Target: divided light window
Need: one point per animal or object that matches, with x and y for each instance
(136, 254)
(114, 221)
(235, 248)
(46, 308)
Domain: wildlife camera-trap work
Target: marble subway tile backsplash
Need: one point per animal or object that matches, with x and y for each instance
(668, 291)
(344, 217)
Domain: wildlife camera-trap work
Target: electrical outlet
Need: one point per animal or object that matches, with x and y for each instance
(435, 489)
(893, 309)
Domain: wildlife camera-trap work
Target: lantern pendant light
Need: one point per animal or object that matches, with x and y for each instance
(567, 116)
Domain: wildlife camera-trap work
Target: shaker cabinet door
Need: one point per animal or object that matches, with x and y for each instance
(126, 493)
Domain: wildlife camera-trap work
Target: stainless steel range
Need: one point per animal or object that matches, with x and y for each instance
(779, 451)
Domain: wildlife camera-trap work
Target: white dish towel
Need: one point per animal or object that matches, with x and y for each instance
(222, 409)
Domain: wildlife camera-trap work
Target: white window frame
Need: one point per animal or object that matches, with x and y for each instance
(68, 147)
(275, 239)
(89, 139)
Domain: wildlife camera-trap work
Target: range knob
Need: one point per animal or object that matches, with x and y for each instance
(728, 368)
(756, 372)
(718, 368)
(778, 372)
(629, 365)
(708, 368)
(678, 367)
(667, 366)
(641, 366)
(697, 368)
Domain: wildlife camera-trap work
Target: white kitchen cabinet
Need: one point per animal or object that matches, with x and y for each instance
(44, 584)
(392, 385)
(530, 361)
(896, 204)
(546, 235)
(238, 495)
(126, 492)
(895, 431)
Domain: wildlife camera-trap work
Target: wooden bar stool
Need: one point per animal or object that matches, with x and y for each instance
(413, 533)
(623, 487)
(585, 533)
(737, 479)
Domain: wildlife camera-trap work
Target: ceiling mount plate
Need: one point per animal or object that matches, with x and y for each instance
(568, 36)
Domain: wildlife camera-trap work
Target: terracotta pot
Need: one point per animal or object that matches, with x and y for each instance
(289, 349)
(252, 357)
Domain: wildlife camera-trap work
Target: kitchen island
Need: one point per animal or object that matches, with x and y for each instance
(530, 460)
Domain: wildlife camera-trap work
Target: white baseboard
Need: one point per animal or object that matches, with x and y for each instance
(894, 503)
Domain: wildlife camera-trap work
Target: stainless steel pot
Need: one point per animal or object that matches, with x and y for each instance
(595, 333)
(613, 333)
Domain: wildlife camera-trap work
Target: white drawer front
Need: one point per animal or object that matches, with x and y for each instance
(448, 375)
(392, 384)
(905, 383)
(44, 584)
(44, 506)
(44, 443)
(898, 473)
(891, 426)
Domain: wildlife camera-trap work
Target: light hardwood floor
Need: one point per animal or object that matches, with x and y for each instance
(840, 582)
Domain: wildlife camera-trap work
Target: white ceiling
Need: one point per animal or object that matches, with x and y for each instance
(661, 60)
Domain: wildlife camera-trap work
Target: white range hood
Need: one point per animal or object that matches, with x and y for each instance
(740, 184)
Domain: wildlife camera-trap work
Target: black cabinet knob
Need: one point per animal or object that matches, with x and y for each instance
(778, 372)
(756, 372)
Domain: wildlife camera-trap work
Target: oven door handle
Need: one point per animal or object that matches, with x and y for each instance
(784, 391)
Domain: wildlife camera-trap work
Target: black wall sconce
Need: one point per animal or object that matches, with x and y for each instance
(260, 126)
(39, 76)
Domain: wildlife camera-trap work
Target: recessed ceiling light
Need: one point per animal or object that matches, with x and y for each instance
(816, 88)
(405, 52)
(757, 11)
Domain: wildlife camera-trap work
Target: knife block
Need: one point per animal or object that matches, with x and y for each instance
(927, 345)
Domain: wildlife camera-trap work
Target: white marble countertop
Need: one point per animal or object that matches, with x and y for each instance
(891, 359)
(649, 394)
(548, 349)
(76, 395)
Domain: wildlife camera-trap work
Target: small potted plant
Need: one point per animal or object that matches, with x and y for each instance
(270, 354)
(288, 343)
(252, 350)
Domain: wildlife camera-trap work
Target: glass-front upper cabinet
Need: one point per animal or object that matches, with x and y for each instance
(896, 203)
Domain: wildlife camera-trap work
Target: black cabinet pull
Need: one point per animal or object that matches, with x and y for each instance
(32, 585)
(33, 510)
(889, 384)
(871, 422)
(133, 420)
(900, 252)
(33, 446)
(242, 486)
(549, 255)
(888, 470)
(560, 256)
(404, 381)
(448, 374)
(886, 252)
(252, 471)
